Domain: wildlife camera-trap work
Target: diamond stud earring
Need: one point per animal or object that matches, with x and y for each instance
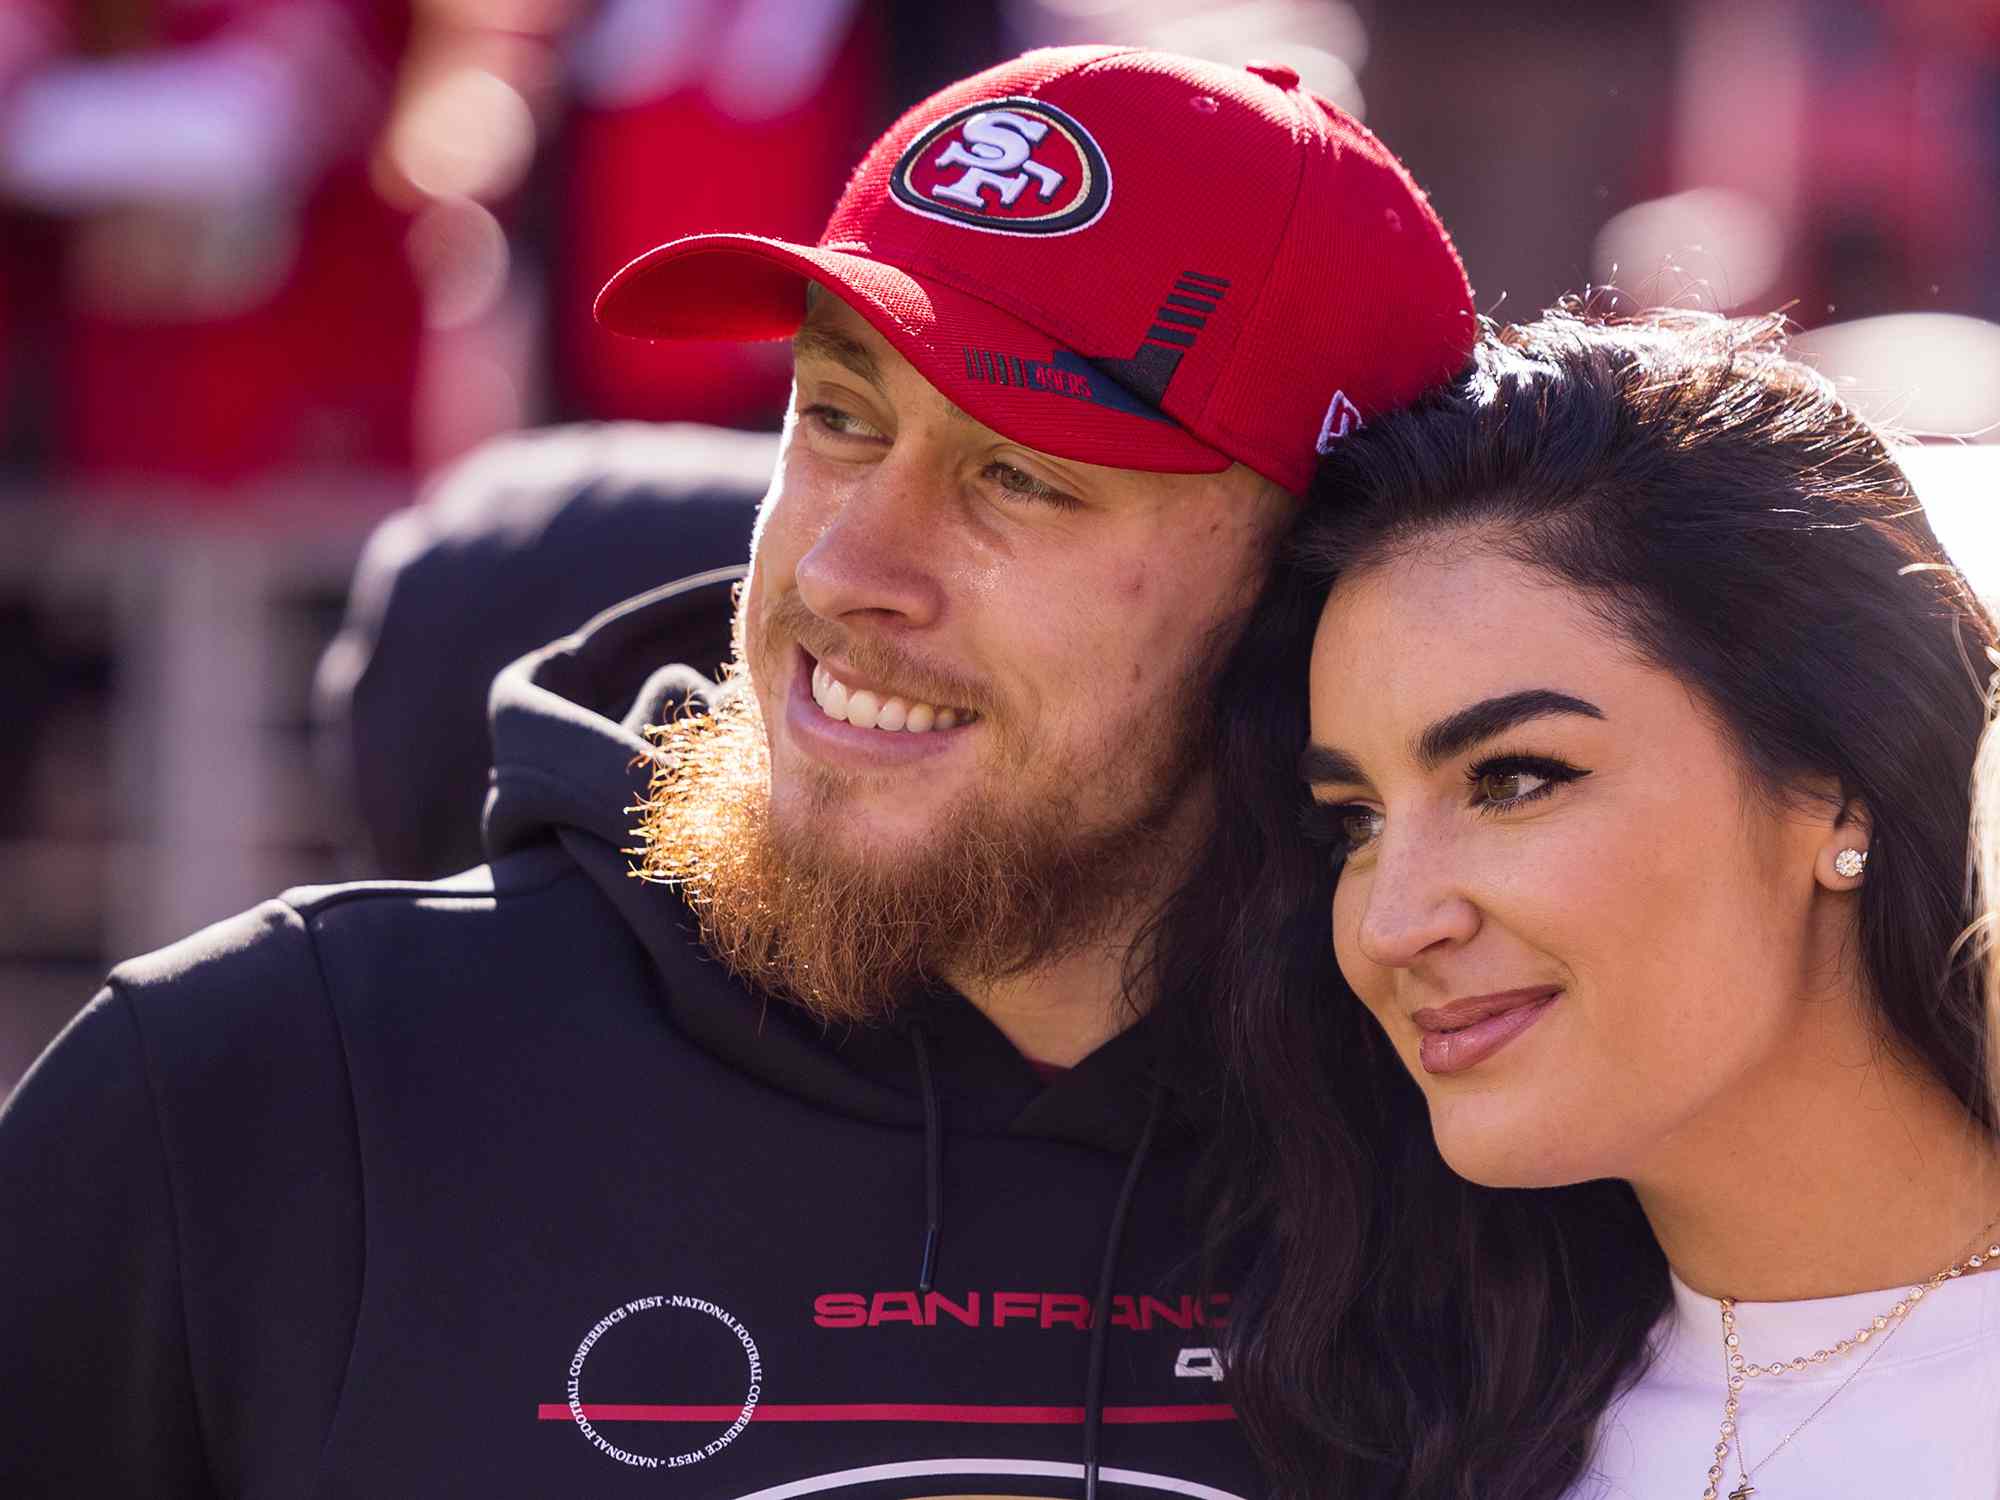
(1850, 862)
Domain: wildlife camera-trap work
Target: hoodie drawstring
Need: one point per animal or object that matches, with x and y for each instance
(1114, 1239)
(1100, 1324)
(933, 1162)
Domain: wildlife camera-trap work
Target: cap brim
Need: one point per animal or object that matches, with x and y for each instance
(998, 368)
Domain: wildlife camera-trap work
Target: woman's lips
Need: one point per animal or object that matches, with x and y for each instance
(1465, 1033)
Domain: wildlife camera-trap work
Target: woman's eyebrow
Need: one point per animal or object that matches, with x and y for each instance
(1321, 764)
(1460, 731)
(1451, 735)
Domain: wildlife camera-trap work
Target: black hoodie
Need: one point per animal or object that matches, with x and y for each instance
(499, 1186)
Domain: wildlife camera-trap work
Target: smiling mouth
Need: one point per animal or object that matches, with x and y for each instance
(870, 708)
(1465, 1033)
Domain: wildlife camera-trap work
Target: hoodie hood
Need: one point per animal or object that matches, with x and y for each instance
(571, 761)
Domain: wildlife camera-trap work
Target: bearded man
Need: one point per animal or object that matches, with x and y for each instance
(836, 1165)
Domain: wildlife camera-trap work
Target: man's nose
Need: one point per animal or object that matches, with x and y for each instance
(878, 548)
(1416, 899)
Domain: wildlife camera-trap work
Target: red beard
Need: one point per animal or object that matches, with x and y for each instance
(1005, 886)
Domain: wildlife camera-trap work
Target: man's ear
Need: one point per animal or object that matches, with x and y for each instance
(1842, 858)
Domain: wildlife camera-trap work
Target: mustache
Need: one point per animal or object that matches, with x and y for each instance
(872, 656)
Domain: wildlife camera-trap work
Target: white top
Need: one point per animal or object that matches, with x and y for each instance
(1923, 1420)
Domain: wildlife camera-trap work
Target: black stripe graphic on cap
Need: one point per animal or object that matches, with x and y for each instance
(1148, 373)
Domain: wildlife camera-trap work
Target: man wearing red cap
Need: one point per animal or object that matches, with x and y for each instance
(838, 1167)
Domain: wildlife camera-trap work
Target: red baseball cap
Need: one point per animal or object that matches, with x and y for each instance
(1116, 256)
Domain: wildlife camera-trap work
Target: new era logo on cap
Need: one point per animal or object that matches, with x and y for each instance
(1342, 417)
(1009, 166)
(1115, 256)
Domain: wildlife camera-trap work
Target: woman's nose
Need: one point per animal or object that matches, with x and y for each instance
(1415, 900)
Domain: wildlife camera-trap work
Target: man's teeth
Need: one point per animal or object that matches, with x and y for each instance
(869, 710)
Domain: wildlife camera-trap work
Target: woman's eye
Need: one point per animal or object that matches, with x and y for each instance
(1359, 827)
(1343, 828)
(1503, 784)
(1507, 786)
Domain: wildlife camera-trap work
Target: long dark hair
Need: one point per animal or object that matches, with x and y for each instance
(1402, 1332)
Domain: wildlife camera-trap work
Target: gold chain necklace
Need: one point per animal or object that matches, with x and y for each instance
(1737, 1370)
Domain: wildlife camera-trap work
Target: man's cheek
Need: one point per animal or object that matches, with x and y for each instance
(752, 635)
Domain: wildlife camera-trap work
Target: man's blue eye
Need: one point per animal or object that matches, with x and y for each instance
(1019, 482)
(832, 419)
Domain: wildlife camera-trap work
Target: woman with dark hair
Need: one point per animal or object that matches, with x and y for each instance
(1642, 711)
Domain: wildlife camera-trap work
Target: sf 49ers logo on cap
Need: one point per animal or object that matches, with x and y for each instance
(1008, 166)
